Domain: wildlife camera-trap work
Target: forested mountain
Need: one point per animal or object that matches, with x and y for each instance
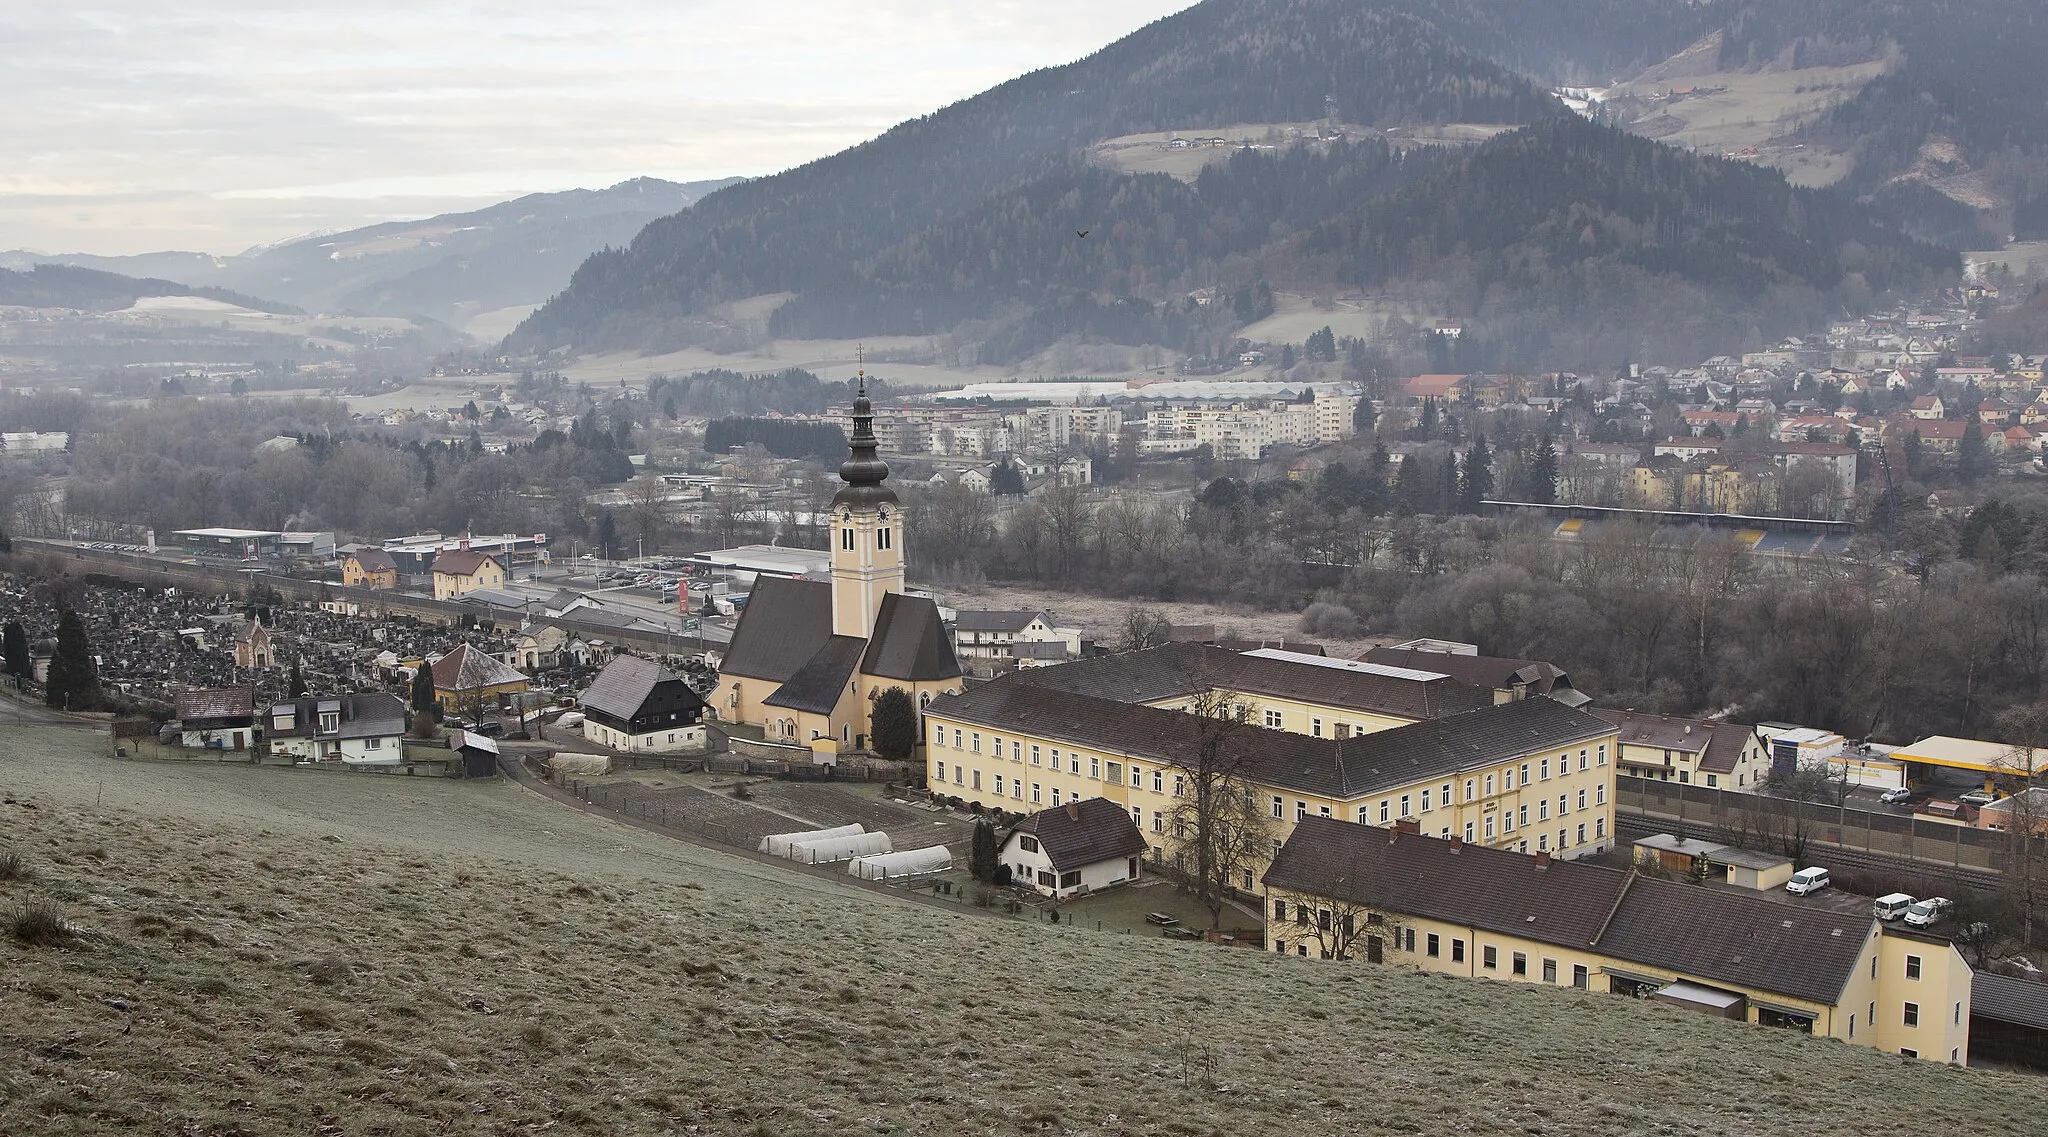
(448, 267)
(1222, 62)
(67, 286)
(1561, 240)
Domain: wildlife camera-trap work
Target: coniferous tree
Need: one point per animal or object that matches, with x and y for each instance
(1475, 485)
(14, 649)
(1408, 493)
(1450, 487)
(423, 701)
(74, 684)
(607, 535)
(1543, 473)
(895, 725)
(985, 853)
(296, 684)
(1362, 417)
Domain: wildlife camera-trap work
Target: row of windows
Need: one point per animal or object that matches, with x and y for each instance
(882, 538)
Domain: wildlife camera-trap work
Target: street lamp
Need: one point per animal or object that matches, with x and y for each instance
(641, 544)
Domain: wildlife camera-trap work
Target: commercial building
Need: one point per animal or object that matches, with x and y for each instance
(235, 544)
(1397, 897)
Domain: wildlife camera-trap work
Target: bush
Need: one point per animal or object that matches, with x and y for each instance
(13, 867)
(38, 923)
(1326, 619)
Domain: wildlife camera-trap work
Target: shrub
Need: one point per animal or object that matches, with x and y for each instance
(38, 923)
(13, 867)
(1325, 619)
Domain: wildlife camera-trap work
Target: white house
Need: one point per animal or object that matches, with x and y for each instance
(989, 634)
(634, 704)
(363, 729)
(1080, 847)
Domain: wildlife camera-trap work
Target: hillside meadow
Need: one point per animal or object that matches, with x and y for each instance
(263, 951)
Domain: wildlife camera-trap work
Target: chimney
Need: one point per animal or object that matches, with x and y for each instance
(1457, 843)
(1408, 825)
(1542, 859)
(1073, 811)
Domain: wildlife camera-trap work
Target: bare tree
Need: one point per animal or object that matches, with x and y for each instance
(2024, 812)
(1330, 918)
(647, 508)
(1223, 833)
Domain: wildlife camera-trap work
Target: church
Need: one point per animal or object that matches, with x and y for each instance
(810, 657)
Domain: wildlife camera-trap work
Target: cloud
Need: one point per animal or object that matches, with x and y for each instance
(241, 123)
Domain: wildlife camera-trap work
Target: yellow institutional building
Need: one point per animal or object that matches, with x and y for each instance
(810, 657)
(1351, 892)
(1325, 739)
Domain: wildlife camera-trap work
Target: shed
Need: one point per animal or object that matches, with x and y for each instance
(1761, 871)
(479, 754)
(1706, 1000)
(1675, 854)
(2008, 1022)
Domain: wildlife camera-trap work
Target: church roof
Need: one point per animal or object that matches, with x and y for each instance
(910, 641)
(785, 623)
(819, 684)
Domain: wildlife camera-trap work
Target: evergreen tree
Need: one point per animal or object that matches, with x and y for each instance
(607, 535)
(1973, 459)
(1362, 417)
(1543, 473)
(1408, 488)
(74, 684)
(296, 684)
(1322, 345)
(423, 701)
(1427, 428)
(14, 650)
(895, 725)
(1006, 478)
(1449, 487)
(1476, 483)
(986, 853)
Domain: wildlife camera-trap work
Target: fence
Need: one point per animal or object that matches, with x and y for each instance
(1772, 824)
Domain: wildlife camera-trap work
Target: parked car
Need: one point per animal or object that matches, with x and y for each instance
(1928, 911)
(1889, 908)
(1808, 880)
(489, 729)
(1897, 795)
(570, 721)
(1978, 798)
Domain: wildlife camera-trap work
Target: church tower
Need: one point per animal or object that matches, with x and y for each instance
(867, 530)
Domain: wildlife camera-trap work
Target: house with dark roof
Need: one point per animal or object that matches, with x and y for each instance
(459, 571)
(1507, 678)
(810, 657)
(369, 568)
(362, 729)
(1664, 748)
(2008, 1022)
(989, 634)
(637, 705)
(469, 678)
(1083, 846)
(1395, 897)
(218, 718)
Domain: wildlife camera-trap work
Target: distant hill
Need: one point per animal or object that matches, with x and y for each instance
(811, 228)
(1564, 242)
(68, 286)
(451, 268)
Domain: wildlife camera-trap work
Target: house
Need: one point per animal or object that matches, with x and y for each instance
(1509, 679)
(1532, 774)
(810, 657)
(369, 568)
(1663, 748)
(1398, 898)
(634, 704)
(1928, 408)
(362, 729)
(2008, 1022)
(221, 718)
(2020, 440)
(470, 680)
(458, 571)
(252, 646)
(1081, 847)
(1995, 411)
(988, 635)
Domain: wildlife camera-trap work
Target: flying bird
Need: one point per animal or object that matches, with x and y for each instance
(1081, 233)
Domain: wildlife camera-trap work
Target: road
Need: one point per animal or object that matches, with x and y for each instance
(21, 712)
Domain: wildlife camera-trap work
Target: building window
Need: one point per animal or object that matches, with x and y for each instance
(1433, 945)
(1094, 767)
(999, 785)
(1279, 911)
(1522, 815)
(1507, 824)
(1468, 832)
(1582, 799)
(1521, 964)
(1489, 826)
(1507, 779)
(1408, 940)
(1017, 788)
(1912, 967)
(1543, 769)
(1055, 797)
(1362, 810)
(1016, 751)
(1074, 761)
(1273, 720)
(1603, 754)
(1034, 755)
(882, 536)
(1542, 844)
(977, 779)
(960, 774)
(958, 744)
(1712, 782)
(942, 771)
(1137, 816)
(1457, 951)
(1034, 793)
(1582, 835)
(1159, 823)
(1909, 1052)
(1404, 805)
(1278, 808)
(1386, 812)
(1550, 971)
(1489, 785)
(1599, 828)
(1912, 1015)
(1579, 976)
(1315, 727)
(1300, 809)
(1158, 782)
(846, 539)
(1180, 786)
(1600, 794)
(1543, 811)
(1425, 801)
(1488, 958)
(1468, 789)
(1137, 777)
(974, 742)
(1322, 811)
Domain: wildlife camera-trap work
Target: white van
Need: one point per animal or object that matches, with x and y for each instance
(1807, 880)
(1889, 908)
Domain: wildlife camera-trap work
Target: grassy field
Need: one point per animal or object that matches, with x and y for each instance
(269, 951)
(1103, 617)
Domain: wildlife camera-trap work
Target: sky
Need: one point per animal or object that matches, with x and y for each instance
(214, 125)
